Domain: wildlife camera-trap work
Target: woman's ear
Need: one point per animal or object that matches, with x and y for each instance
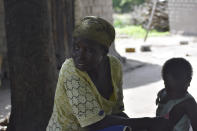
(105, 51)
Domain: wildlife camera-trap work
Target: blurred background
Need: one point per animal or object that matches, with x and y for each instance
(148, 32)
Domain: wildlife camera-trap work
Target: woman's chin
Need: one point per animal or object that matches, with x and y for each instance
(82, 67)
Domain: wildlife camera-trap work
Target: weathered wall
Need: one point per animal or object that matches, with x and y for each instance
(101, 8)
(183, 16)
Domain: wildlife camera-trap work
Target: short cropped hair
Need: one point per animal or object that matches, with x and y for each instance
(178, 67)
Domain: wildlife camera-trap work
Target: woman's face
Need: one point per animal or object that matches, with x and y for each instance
(86, 55)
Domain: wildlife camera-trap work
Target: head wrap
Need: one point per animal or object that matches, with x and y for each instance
(96, 29)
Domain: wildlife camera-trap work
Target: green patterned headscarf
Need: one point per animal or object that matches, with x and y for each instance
(96, 29)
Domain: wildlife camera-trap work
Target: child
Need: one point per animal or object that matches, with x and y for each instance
(174, 102)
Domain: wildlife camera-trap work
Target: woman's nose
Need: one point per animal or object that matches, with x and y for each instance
(82, 53)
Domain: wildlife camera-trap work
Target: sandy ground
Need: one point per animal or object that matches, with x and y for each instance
(142, 83)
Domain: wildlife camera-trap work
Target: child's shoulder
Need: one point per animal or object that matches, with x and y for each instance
(163, 98)
(187, 102)
(190, 101)
(188, 106)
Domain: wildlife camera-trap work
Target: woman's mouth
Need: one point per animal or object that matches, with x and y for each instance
(81, 64)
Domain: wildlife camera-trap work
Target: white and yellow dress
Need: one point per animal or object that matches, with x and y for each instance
(78, 102)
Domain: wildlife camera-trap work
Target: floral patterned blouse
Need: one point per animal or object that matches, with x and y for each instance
(77, 101)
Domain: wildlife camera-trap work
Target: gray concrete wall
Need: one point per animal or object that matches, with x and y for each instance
(183, 16)
(101, 8)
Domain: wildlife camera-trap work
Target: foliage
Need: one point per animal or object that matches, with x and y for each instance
(123, 6)
(124, 26)
(137, 31)
(122, 20)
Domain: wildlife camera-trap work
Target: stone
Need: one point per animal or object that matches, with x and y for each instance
(184, 42)
(130, 50)
(145, 48)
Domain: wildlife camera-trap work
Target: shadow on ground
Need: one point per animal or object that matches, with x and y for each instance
(137, 73)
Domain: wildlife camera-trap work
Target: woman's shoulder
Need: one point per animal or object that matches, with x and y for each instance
(69, 70)
(68, 66)
(116, 69)
(68, 62)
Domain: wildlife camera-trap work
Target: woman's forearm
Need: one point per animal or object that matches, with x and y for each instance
(108, 121)
(112, 120)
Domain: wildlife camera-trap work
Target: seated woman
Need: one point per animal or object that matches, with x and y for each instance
(89, 89)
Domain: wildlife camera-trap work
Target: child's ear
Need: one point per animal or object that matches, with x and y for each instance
(188, 84)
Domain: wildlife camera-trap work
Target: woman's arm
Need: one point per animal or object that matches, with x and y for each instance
(107, 122)
(122, 114)
(152, 124)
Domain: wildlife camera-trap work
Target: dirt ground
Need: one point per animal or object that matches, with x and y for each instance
(142, 82)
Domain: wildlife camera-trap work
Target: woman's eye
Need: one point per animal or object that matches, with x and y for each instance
(90, 50)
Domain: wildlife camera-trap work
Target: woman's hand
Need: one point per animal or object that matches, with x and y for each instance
(160, 124)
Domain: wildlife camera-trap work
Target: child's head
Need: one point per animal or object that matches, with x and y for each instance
(177, 75)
